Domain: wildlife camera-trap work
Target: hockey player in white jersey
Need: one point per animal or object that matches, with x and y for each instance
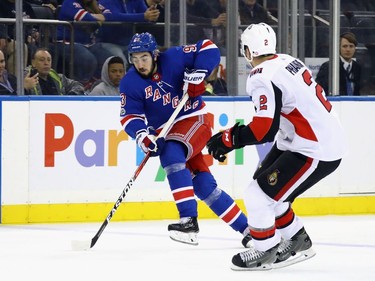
(292, 110)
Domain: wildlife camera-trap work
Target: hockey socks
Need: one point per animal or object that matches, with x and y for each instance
(183, 193)
(226, 209)
(219, 201)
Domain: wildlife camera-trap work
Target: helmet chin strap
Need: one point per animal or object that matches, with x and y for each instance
(249, 60)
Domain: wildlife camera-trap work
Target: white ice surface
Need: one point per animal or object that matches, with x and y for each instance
(142, 250)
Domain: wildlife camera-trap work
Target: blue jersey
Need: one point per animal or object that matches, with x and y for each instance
(129, 11)
(72, 10)
(126, 11)
(150, 102)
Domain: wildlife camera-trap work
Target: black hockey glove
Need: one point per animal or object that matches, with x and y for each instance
(224, 142)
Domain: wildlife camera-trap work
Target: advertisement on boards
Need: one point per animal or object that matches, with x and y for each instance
(80, 147)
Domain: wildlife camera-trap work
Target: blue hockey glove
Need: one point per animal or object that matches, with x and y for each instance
(195, 80)
(147, 141)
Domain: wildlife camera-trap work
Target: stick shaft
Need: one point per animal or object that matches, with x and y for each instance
(163, 133)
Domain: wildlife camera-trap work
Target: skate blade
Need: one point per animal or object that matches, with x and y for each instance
(263, 267)
(299, 257)
(187, 238)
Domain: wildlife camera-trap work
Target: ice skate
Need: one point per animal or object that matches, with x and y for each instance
(185, 231)
(254, 260)
(294, 250)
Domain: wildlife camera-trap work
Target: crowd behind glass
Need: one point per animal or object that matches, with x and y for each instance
(101, 30)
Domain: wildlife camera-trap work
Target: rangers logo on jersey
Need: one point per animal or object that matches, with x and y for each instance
(156, 77)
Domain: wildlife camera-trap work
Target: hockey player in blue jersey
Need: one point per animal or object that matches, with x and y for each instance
(150, 91)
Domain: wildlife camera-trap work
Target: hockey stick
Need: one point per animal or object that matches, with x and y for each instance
(86, 245)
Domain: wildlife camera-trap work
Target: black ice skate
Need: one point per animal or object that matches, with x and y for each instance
(185, 231)
(294, 250)
(254, 260)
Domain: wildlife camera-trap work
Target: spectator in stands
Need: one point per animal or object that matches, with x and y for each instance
(112, 72)
(349, 71)
(128, 11)
(44, 9)
(200, 13)
(155, 29)
(7, 34)
(54, 3)
(51, 4)
(3, 38)
(219, 5)
(41, 11)
(252, 12)
(158, 4)
(8, 82)
(218, 33)
(49, 81)
(215, 85)
(88, 53)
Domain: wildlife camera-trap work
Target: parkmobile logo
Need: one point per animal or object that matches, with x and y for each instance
(107, 144)
(54, 145)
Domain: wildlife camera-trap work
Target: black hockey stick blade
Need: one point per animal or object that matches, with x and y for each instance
(84, 245)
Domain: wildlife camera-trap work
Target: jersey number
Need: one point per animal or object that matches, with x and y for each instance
(263, 102)
(318, 90)
(123, 99)
(190, 48)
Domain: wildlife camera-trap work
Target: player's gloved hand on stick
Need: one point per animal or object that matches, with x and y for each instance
(147, 141)
(195, 80)
(224, 142)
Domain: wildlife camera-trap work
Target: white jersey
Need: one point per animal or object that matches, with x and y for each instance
(283, 88)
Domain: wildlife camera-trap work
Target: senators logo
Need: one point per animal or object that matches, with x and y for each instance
(273, 178)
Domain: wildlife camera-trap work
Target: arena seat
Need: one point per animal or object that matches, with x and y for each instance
(43, 12)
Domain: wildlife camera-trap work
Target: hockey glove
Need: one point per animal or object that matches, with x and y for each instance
(224, 142)
(195, 80)
(147, 141)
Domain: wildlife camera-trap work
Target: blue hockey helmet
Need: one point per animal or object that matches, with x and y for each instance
(142, 42)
